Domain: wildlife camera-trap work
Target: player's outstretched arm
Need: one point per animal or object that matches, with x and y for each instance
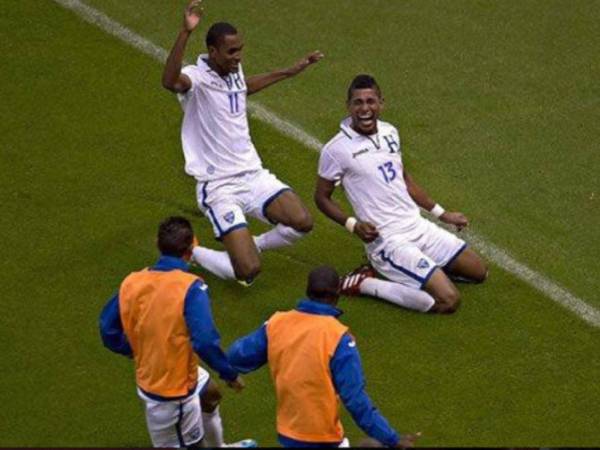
(323, 192)
(421, 198)
(249, 352)
(204, 336)
(256, 83)
(348, 378)
(173, 79)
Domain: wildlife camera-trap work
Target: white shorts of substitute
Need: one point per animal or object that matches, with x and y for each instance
(176, 423)
(411, 260)
(226, 201)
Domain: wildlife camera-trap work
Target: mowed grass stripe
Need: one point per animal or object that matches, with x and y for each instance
(499, 256)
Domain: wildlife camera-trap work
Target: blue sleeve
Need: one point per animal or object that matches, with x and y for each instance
(249, 353)
(350, 384)
(203, 332)
(111, 328)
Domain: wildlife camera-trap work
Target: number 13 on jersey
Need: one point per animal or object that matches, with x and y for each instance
(388, 171)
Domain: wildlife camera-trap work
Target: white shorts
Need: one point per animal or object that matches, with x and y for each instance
(412, 260)
(226, 201)
(176, 423)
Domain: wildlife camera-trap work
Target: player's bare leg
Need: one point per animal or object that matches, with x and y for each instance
(211, 397)
(289, 210)
(239, 262)
(445, 294)
(293, 219)
(243, 254)
(468, 267)
(211, 420)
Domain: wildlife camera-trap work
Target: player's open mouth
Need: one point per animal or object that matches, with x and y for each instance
(367, 120)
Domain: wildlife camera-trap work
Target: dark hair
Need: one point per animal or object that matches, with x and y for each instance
(323, 284)
(217, 31)
(175, 236)
(363, 81)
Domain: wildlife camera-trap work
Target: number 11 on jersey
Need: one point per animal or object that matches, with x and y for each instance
(234, 106)
(388, 171)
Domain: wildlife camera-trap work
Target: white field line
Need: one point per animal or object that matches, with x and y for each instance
(497, 255)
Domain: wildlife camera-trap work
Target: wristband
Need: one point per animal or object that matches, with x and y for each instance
(437, 211)
(350, 224)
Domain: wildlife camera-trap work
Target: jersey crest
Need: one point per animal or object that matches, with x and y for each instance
(229, 217)
(422, 264)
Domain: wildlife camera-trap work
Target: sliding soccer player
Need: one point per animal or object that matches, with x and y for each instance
(414, 255)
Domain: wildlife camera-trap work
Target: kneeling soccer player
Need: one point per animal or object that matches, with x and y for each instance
(414, 254)
(162, 318)
(231, 180)
(313, 359)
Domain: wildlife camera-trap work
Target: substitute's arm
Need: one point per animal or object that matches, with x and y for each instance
(111, 328)
(173, 79)
(421, 198)
(249, 353)
(349, 381)
(204, 335)
(256, 83)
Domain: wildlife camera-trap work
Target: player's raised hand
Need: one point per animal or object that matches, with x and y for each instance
(366, 231)
(309, 59)
(458, 219)
(192, 15)
(408, 440)
(237, 385)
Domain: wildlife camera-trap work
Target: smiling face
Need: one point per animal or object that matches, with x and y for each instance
(364, 106)
(227, 54)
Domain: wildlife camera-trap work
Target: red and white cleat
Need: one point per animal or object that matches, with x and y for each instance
(350, 283)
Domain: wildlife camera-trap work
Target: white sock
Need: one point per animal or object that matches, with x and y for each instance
(213, 429)
(279, 236)
(214, 261)
(398, 294)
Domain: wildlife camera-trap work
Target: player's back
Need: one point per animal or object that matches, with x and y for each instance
(300, 346)
(151, 304)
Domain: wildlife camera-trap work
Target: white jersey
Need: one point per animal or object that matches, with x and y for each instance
(215, 133)
(371, 171)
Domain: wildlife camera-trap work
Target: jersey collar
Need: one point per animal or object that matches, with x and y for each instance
(202, 61)
(166, 263)
(321, 309)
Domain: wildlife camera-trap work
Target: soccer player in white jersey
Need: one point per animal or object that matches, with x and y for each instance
(414, 254)
(220, 154)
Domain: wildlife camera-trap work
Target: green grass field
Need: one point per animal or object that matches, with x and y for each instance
(498, 105)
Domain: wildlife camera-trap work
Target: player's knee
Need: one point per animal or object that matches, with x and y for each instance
(448, 302)
(479, 271)
(303, 223)
(247, 270)
(482, 273)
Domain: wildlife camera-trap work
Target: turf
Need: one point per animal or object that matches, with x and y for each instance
(497, 105)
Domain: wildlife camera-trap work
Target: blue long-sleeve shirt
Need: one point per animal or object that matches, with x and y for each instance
(250, 353)
(198, 318)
